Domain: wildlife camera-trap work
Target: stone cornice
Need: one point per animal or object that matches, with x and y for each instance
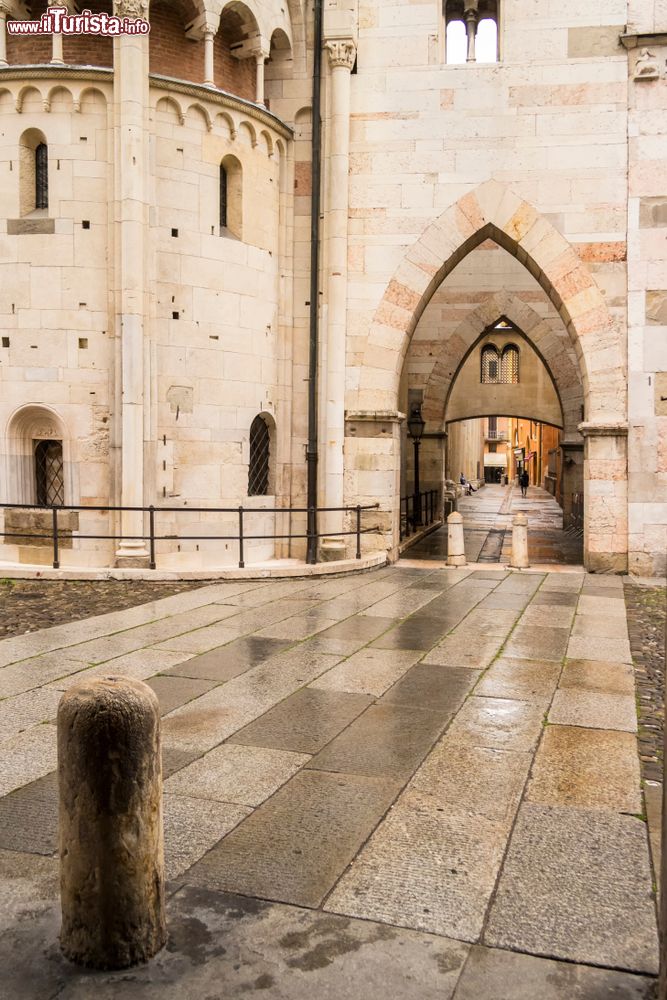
(44, 71)
(591, 429)
(631, 41)
(223, 99)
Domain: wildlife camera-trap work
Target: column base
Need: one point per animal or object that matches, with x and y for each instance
(332, 549)
(456, 561)
(132, 557)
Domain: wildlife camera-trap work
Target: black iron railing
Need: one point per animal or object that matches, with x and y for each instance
(152, 514)
(418, 514)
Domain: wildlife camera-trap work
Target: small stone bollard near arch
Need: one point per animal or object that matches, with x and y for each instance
(519, 558)
(111, 838)
(456, 553)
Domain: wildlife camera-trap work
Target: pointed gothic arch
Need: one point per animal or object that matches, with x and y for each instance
(493, 211)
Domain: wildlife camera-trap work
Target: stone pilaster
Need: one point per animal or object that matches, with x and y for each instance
(373, 474)
(342, 53)
(131, 102)
(605, 497)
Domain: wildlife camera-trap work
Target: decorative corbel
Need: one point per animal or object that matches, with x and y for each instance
(647, 66)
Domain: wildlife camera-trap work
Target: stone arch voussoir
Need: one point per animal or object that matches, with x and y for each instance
(494, 211)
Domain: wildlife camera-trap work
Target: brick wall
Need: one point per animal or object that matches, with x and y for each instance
(234, 75)
(171, 54)
(90, 50)
(25, 51)
(81, 50)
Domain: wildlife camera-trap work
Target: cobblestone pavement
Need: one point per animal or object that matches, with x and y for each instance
(28, 605)
(420, 782)
(646, 608)
(487, 519)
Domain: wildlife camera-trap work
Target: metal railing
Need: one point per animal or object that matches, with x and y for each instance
(413, 516)
(57, 532)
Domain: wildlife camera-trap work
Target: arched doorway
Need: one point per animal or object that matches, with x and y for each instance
(494, 214)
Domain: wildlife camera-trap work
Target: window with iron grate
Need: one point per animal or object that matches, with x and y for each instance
(490, 364)
(42, 176)
(223, 197)
(509, 364)
(260, 453)
(49, 473)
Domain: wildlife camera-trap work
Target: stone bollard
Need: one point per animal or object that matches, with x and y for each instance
(519, 559)
(111, 842)
(456, 553)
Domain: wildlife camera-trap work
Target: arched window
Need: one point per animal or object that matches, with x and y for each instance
(471, 31)
(42, 176)
(49, 473)
(231, 197)
(33, 172)
(260, 458)
(490, 364)
(509, 364)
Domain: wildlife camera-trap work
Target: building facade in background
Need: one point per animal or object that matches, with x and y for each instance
(491, 235)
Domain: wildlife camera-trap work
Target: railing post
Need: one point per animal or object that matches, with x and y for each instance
(311, 536)
(358, 531)
(56, 553)
(151, 531)
(241, 560)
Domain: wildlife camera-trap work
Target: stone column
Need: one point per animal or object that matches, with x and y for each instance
(56, 38)
(111, 841)
(342, 53)
(605, 497)
(260, 59)
(470, 14)
(373, 473)
(4, 11)
(131, 102)
(209, 72)
(204, 29)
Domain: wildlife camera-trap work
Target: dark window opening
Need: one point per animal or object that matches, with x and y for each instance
(223, 198)
(42, 176)
(258, 467)
(49, 473)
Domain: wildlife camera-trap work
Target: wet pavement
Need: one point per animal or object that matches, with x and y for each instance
(418, 782)
(487, 523)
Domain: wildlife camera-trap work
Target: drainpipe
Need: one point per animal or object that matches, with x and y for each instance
(311, 450)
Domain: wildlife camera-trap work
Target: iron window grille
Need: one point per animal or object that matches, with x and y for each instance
(42, 176)
(49, 473)
(509, 364)
(260, 452)
(223, 198)
(490, 364)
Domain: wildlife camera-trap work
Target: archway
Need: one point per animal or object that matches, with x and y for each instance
(494, 212)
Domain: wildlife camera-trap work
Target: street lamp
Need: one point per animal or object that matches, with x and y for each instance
(416, 424)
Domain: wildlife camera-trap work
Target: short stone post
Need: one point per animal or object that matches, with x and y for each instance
(519, 558)
(111, 841)
(456, 553)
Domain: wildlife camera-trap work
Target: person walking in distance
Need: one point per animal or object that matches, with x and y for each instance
(524, 480)
(468, 488)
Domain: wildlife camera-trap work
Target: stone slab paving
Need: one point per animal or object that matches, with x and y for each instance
(420, 768)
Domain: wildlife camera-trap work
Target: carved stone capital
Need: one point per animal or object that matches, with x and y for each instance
(70, 5)
(342, 52)
(131, 8)
(205, 24)
(12, 8)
